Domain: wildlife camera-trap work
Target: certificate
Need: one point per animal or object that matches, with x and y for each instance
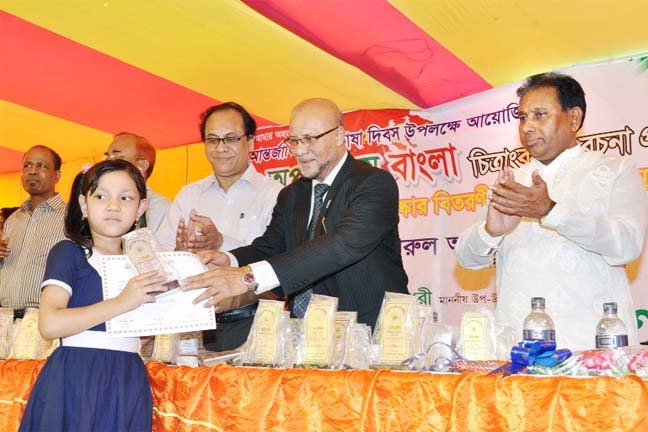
(172, 312)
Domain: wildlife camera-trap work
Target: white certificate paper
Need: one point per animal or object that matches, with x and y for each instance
(172, 312)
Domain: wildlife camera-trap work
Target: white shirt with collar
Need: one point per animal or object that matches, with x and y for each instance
(157, 208)
(241, 214)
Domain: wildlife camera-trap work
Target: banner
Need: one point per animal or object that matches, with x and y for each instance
(445, 158)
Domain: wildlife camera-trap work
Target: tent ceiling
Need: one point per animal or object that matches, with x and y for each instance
(73, 73)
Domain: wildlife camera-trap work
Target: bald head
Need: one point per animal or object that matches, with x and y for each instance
(323, 119)
(135, 149)
(325, 109)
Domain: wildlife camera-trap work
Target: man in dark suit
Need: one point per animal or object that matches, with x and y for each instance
(350, 250)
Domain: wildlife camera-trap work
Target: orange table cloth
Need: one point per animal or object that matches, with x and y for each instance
(227, 398)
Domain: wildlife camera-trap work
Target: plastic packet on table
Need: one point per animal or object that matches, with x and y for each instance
(614, 362)
(344, 322)
(318, 327)
(27, 341)
(294, 340)
(187, 345)
(362, 353)
(424, 317)
(270, 339)
(394, 332)
(6, 331)
(147, 344)
(164, 347)
(506, 338)
(211, 358)
(439, 342)
(477, 335)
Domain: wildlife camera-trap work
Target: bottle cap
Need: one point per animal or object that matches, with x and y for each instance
(610, 307)
(538, 302)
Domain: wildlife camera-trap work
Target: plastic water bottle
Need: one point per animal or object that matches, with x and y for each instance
(538, 325)
(611, 331)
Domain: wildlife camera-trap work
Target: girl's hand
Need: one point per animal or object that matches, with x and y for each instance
(138, 288)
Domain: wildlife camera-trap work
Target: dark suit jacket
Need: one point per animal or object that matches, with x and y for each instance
(355, 255)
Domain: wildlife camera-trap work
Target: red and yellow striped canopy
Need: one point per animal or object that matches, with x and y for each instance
(73, 73)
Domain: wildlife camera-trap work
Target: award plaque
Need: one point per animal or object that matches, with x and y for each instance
(163, 347)
(395, 328)
(141, 247)
(475, 335)
(265, 341)
(319, 331)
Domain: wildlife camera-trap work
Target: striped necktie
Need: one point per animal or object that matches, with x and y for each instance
(300, 303)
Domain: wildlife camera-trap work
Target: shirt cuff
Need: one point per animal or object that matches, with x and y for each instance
(229, 243)
(265, 276)
(233, 260)
(490, 241)
(554, 217)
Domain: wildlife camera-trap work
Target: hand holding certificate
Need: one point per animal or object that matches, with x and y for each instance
(172, 312)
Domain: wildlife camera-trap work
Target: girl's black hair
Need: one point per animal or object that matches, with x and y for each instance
(77, 228)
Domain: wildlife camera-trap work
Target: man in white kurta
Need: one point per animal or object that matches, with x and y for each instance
(563, 226)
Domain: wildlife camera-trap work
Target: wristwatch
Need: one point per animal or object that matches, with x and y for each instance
(249, 280)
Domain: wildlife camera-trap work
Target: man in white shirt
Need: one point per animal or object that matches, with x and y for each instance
(141, 153)
(225, 210)
(563, 226)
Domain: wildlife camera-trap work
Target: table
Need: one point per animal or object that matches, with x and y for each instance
(228, 398)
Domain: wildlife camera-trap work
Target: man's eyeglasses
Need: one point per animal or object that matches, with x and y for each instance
(308, 141)
(229, 140)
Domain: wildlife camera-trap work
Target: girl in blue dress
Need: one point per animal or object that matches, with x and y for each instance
(93, 382)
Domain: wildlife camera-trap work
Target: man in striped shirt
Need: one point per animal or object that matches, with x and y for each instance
(31, 231)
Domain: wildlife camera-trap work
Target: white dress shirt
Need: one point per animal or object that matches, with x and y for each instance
(241, 214)
(157, 208)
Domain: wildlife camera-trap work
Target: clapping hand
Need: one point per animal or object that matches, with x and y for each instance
(199, 233)
(510, 201)
(499, 220)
